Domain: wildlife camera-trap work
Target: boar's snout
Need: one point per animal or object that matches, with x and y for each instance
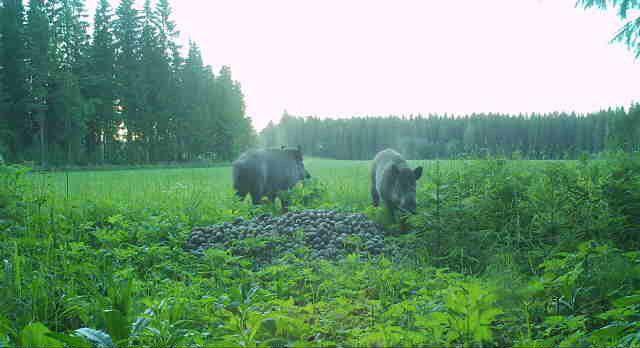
(411, 207)
(408, 205)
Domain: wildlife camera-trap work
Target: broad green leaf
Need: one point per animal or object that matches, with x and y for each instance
(632, 300)
(270, 325)
(608, 333)
(117, 325)
(98, 338)
(70, 341)
(275, 343)
(35, 336)
(6, 329)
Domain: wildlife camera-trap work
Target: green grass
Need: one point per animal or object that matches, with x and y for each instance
(206, 188)
(501, 253)
(157, 186)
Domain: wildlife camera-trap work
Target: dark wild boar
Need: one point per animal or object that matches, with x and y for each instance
(393, 182)
(265, 172)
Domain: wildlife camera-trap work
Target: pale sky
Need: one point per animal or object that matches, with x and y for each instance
(341, 58)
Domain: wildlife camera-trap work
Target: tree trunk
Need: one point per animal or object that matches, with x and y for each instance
(101, 144)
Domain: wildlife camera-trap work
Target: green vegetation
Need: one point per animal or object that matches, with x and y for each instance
(122, 95)
(501, 253)
(629, 33)
(533, 136)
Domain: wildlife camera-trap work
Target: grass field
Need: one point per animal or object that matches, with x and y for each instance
(148, 187)
(211, 188)
(501, 253)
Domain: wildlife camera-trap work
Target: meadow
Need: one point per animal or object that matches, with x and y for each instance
(210, 189)
(206, 188)
(501, 253)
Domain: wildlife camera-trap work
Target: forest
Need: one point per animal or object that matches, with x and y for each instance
(115, 90)
(525, 230)
(535, 136)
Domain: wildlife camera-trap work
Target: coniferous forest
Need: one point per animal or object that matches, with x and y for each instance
(115, 89)
(118, 90)
(536, 136)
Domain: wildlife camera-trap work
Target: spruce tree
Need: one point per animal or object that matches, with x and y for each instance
(153, 74)
(235, 131)
(191, 129)
(5, 131)
(38, 69)
(168, 81)
(14, 75)
(68, 64)
(127, 31)
(629, 34)
(102, 125)
(167, 29)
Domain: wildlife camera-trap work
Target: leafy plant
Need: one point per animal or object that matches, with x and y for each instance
(501, 253)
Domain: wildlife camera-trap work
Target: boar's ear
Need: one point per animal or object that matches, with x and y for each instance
(417, 172)
(294, 154)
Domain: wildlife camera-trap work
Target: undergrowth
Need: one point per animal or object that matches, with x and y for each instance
(501, 253)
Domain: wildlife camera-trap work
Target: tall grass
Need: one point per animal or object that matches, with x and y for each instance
(501, 253)
(347, 184)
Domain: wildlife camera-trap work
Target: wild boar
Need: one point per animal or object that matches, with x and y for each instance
(265, 172)
(394, 182)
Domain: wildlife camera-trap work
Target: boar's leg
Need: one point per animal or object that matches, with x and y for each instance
(392, 211)
(256, 198)
(285, 203)
(241, 194)
(375, 197)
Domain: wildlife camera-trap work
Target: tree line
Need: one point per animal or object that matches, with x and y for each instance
(118, 91)
(534, 136)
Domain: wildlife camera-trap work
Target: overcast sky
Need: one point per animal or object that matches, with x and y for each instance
(340, 58)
